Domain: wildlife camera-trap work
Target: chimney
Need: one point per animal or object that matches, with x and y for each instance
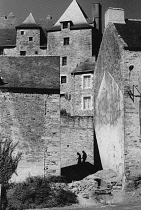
(114, 15)
(49, 17)
(96, 15)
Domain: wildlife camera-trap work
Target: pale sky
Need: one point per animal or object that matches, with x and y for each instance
(55, 8)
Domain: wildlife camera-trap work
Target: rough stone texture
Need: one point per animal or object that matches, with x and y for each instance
(79, 49)
(77, 96)
(76, 136)
(23, 43)
(132, 109)
(33, 120)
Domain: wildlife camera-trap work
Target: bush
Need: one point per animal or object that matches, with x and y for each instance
(36, 192)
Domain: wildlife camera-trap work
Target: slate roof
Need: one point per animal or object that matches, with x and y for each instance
(8, 30)
(130, 33)
(7, 37)
(42, 72)
(73, 13)
(85, 67)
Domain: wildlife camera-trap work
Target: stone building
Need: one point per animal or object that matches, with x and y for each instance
(117, 95)
(76, 39)
(29, 111)
(51, 122)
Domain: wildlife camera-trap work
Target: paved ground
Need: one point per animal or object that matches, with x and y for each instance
(131, 206)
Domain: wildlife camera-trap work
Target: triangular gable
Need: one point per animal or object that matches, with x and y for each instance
(30, 19)
(73, 13)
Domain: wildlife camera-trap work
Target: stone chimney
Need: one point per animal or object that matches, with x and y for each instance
(96, 15)
(114, 15)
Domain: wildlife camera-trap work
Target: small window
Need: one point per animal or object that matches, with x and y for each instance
(87, 81)
(36, 52)
(64, 61)
(22, 32)
(66, 41)
(63, 79)
(65, 25)
(30, 39)
(22, 52)
(87, 103)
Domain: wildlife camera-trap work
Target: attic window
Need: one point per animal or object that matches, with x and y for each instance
(65, 25)
(22, 32)
(30, 39)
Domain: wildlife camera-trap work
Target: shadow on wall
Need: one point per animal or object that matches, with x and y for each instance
(97, 159)
(83, 168)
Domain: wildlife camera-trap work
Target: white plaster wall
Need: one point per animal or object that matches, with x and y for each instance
(109, 125)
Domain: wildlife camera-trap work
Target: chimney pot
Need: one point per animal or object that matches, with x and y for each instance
(114, 15)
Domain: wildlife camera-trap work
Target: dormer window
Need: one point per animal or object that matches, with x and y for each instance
(65, 25)
(30, 39)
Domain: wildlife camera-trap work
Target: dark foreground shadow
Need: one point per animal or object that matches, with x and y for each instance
(77, 172)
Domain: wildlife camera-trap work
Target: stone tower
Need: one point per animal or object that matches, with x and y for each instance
(28, 37)
(71, 39)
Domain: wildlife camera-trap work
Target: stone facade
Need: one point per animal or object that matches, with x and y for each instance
(33, 120)
(30, 112)
(76, 135)
(79, 93)
(132, 113)
(78, 50)
(23, 42)
(117, 104)
(32, 65)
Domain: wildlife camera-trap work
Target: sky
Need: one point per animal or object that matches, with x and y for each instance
(55, 8)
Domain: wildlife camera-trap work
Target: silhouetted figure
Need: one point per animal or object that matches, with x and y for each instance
(84, 157)
(79, 158)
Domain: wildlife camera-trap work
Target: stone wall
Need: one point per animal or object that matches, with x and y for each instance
(78, 50)
(76, 136)
(132, 109)
(33, 120)
(23, 43)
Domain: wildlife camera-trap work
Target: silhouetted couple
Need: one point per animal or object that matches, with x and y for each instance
(84, 157)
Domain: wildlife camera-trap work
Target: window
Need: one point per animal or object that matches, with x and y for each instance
(65, 25)
(22, 52)
(87, 81)
(63, 79)
(66, 41)
(30, 39)
(64, 61)
(87, 103)
(22, 32)
(36, 52)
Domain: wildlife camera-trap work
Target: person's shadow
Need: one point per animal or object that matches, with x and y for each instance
(78, 171)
